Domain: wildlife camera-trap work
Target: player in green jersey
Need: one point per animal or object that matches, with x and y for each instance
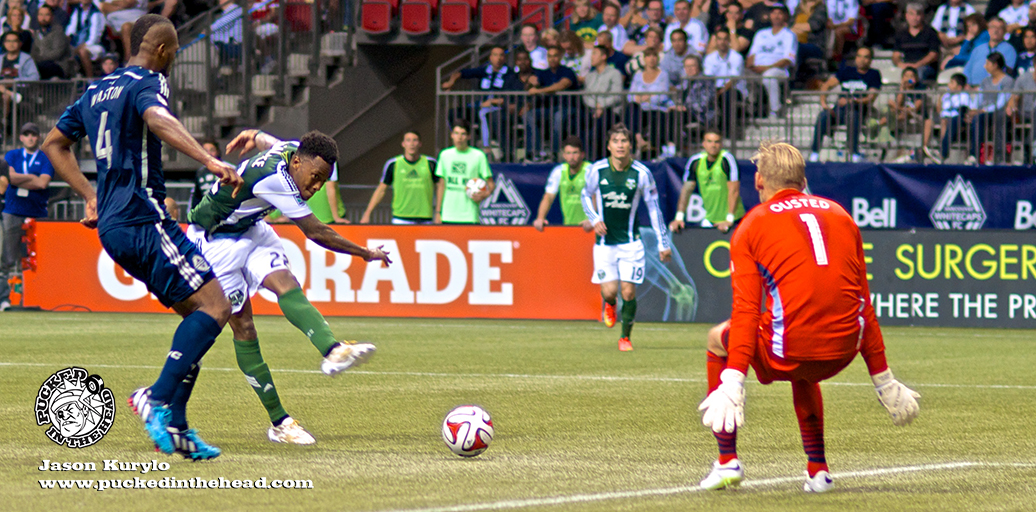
(457, 165)
(718, 180)
(567, 180)
(412, 178)
(245, 253)
(614, 189)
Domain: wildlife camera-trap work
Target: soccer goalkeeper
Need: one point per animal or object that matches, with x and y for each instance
(806, 254)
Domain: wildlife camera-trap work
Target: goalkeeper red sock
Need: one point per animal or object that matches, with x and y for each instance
(809, 408)
(727, 441)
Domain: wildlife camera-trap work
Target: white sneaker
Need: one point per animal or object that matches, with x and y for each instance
(814, 157)
(4, 305)
(858, 158)
(931, 155)
(290, 432)
(821, 482)
(345, 355)
(971, 161)
(724, 476)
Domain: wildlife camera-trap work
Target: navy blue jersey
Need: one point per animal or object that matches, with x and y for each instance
(130, 184)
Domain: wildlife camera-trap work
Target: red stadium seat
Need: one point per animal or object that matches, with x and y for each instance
(376, 16)
(415, 17)
(496, 16)
(455, 17)
(540, 10)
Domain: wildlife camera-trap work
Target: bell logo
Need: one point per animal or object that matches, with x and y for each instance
(1024, 217)
(958, 207)
(866, 217)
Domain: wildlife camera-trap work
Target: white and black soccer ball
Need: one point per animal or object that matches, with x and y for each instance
(467, 430)
(474, 186)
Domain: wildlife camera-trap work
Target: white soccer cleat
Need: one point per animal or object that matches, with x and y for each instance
(346, 355)
(289, 431)
(821, 482)
(724, 476)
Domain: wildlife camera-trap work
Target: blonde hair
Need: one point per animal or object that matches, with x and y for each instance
(574, 18)
(780, 165)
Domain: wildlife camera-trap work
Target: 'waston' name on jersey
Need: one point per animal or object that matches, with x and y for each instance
(107, 94)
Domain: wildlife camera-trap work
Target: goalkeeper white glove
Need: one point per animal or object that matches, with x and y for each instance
(899, 400)
(725, 407)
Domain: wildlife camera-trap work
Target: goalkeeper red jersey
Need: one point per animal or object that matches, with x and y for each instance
(804, 254)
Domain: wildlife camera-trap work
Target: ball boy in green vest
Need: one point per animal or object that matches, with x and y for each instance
(716, 175)
(412, 178)
(566, 180)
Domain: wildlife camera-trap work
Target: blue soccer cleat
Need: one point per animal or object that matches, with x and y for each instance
(191, 446)
(155, 416)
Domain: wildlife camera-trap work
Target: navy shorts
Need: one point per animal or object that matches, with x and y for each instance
(160, 256)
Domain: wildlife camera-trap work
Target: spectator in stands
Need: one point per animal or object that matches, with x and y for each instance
(85, 29)
(585, 21)
(59, 18)
(955, 106)
(17, 23)
(974, 34)
(610, 23)
(648, 102)
(733, 21)
(530, 39)
(1015, 15)
(653, 41)
(672, 61)
(228, 32)
(858, 88)
(490, 109)
(880, 14)
(575, 56)
(632, 13)
(990, 109)
(810, 28)
(772, 54)
(907, 111)
(1023, 102)
(616, 59)
(109, 63)
(121, 15)
(413, 180)
(544, 105)
(549, 37)
(521, 77)
(50, 47)
(174, 10)
(638, 34)
(30, 175)
(17, 65)
(724, 62)
(977, 68)
(598, 111)
(696, 34)
(697, 108)
(949, 23)
(918, 46)
(842, 23)
(1025, 56)
(757, 17)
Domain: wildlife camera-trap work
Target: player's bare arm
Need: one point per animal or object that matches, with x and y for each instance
(376, 197)
(440, 191)
(733, 195)
(541, 214)
(248, 140)
(58, 149)
(329, 239)
(169, 129)
(678, 223)
(28, 181)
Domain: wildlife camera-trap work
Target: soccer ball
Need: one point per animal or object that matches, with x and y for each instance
(474, 186)
(467, 430)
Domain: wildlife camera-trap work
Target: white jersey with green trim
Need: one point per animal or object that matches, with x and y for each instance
(612, 196)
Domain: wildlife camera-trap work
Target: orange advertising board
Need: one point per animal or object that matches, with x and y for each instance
(437, 271)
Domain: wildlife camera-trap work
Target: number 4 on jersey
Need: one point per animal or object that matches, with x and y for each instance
(103, 149)
(819, 250)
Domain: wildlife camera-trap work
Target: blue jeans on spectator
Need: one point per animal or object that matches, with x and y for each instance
(953, 134)
(881, 29)
(849, 115)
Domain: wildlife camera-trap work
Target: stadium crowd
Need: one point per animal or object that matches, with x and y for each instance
(672, 62)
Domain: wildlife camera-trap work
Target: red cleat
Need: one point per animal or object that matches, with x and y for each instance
(609, 315)
(625, 345)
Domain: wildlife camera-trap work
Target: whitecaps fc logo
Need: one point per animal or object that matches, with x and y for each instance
(958, 207)
(79, 409)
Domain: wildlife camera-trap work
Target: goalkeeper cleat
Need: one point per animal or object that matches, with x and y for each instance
(724, 476)
(821, 482)
(155, 416)
(191, 446)
(289, 431)
(609, 315)
(625, 345)
(345, 355)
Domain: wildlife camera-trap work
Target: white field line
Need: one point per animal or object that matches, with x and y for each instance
(687, 489)
(599, 378)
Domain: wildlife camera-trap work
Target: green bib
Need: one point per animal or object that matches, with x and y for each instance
(712, 183)
(412, 191)
(570, 194)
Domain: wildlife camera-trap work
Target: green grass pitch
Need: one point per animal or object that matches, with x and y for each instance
(580, 426)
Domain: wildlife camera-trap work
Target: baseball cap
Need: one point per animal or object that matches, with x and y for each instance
(30, 128)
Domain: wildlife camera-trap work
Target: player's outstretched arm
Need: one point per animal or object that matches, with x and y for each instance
(251, 139)
(58, 149)
(169, 129)
(899, 400)
(329, 239)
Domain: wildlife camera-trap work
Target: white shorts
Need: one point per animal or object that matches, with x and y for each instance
(409, 222)
(241, 264)
(118, 18)
(95, 51)
(623, 262)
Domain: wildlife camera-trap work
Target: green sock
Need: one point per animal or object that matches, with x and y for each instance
(306, 318)
(629, 311)
(257, 373)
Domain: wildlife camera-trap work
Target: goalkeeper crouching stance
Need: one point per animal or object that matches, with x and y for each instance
(805, 254)
(245, 253)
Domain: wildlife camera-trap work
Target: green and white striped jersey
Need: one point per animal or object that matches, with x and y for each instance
(268, 186)
(612, 196)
